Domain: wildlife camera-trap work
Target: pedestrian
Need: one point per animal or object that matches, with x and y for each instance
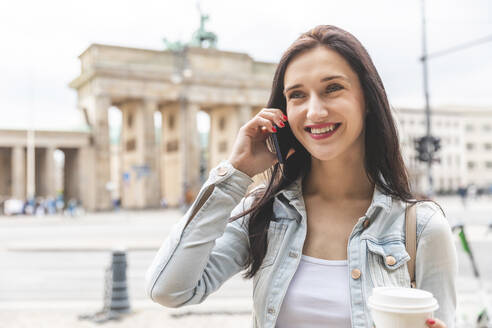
(463, 191)
(472, 191)
(328, 225)
(72, 207)
(116, 203)
(40, 209)
(60, 203)
(163, 202)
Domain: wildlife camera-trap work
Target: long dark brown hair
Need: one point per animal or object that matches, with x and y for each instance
(383, 161)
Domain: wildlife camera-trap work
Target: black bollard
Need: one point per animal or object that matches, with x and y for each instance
(119, 290)
(116, 302)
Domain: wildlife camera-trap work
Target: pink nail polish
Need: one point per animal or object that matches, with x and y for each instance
(431, 321)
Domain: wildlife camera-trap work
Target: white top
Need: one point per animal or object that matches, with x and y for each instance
(318, 296)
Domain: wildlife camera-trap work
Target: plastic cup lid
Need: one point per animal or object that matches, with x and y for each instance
(402, 300)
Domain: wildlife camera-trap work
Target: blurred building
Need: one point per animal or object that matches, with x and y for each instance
(466, 140)
(65, 133)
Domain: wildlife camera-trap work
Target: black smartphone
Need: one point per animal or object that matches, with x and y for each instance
(281, 148)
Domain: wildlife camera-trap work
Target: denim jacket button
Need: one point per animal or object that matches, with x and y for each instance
(365, 224)
(293, 254)
(222, 171)
(390, 260)
(356, 274)
(271, 310)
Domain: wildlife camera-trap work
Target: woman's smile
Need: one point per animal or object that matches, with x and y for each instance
(323, 132)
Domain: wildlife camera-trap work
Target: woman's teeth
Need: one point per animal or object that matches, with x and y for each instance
(324, 130)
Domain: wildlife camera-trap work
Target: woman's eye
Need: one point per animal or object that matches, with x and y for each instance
(334, 87)
(295, 94)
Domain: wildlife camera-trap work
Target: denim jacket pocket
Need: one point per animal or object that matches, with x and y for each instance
(387, 263)
(276, 233)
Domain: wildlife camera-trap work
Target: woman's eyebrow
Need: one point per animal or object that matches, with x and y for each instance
(292, 87)
(328, 78)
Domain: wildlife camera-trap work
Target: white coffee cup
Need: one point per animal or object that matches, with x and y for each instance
(399, 307)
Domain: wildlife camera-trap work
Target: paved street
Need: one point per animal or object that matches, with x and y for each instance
(53, 269)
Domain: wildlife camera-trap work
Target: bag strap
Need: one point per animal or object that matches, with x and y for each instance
(411, 240)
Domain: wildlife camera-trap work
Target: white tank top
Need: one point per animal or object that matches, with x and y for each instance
(318, 296)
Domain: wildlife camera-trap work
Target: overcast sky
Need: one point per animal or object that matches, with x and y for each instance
(41, 40)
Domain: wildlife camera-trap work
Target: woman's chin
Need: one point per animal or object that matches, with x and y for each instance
(324, 156)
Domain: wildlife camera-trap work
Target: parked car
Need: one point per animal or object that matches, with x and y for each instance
(13, 206)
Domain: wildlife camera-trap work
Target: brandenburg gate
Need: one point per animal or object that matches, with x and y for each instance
(230, 87)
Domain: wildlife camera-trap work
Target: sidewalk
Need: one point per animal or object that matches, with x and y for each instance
(144, 314)
(138, 319)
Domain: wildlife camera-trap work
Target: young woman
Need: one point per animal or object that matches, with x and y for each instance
(329, 225)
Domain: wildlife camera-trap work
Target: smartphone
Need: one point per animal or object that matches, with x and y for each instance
(280, 148)
(274, 141)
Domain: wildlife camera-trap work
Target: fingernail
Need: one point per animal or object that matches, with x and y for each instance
(281, 124)
(285, 117)
(274, 129)
(431, 321)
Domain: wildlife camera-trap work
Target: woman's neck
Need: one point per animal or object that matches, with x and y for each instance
(341, 179)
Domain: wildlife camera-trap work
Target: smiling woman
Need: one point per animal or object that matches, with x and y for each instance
(322, 93)
(329, 225)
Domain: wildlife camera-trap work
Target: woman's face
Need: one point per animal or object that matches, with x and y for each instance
(325, 104)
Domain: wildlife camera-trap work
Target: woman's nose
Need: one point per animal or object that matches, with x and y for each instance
(316, 110)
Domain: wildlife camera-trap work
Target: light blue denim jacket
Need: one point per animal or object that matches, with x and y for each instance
(197, 258)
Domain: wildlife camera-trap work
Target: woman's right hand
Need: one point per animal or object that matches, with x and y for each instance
(250, 153)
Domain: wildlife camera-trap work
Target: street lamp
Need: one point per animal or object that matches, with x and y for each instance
(426, 151)
(428, 145)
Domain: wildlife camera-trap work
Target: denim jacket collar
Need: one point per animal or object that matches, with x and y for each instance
(381, 203)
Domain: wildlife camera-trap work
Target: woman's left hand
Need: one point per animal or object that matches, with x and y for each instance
(435, 323)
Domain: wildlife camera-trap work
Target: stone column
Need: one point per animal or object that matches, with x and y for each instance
(191, 150)
(150, 184)
(87, 181)
(171, 168)
(128, 147)
(72, 184)
(140, 183)
(225, 122)
(244, 114)
(98, 197)
(18, 172)
(180, 159)
(48, 174)
(5, 173)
